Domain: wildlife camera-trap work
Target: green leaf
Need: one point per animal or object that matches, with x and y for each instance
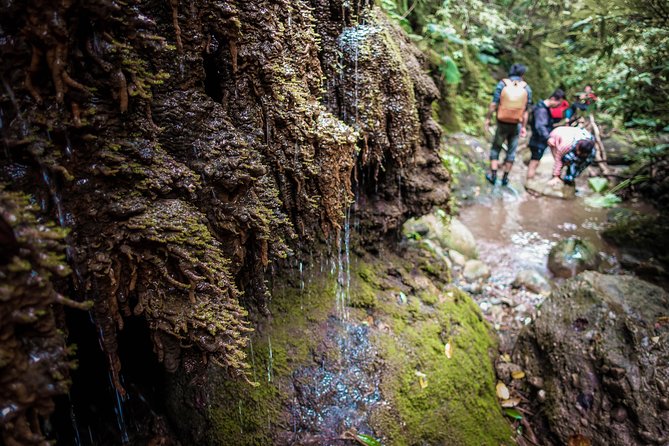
(513, 413)
(598, 184)
(603, 201)
(449, 70)
(368, 440)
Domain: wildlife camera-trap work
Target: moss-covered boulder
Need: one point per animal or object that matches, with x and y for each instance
(597, 356)
(409, 366)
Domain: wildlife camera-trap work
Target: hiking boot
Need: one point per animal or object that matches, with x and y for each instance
(505, 181)
(491, 178)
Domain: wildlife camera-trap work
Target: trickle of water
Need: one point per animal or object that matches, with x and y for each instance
(118, 410)
(301, 286)
(239, 406)
(253, 361)
(343, 269)
(68, 146)
(270, 362)
(75, 424)
(55, 196)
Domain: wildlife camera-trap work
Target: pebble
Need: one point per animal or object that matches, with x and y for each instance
(619, 414)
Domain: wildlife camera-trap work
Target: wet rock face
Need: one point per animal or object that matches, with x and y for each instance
(186, 145)
(600, 349)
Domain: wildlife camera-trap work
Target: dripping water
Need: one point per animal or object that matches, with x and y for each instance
(270, 362)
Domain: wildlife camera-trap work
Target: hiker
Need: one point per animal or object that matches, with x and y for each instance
(582, 102)
(572, 147)
(542, 125)
(511, 100)
(558, 112)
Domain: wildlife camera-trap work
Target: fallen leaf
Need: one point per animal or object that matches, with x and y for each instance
(511, 402)
(518, 374)
(502, 391)
(448, 350)
(578, 440)
(422, 379)
(368, 440)
(655, 339)
(513, 413)
(506, 357)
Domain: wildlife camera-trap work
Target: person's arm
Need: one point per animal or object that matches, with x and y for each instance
(554, 145)
(523, 125)
(542, 122)
(493, 105)
(492, 108)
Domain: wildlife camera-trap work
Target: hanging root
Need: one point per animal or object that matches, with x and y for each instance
(32, 71)
(175, 21)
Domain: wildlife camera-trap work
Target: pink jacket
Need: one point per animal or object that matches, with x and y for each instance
(561, 140)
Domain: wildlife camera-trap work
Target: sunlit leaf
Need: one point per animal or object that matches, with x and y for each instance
(502, 391)
(511, 402)
(368, 440)
(598, 184)
(518, 374)
(602, 201)
(513, 413)
(422, 379)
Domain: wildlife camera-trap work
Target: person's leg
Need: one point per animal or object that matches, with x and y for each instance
(497, 142)
(537, 152)
(512, 133)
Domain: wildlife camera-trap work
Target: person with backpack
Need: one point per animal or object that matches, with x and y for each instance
(511, 100)
(542, 125)
(573, 147)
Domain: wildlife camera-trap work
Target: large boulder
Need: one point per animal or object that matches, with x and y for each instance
(597, 359)
(619, 149)
(448, 232)
(571, 256)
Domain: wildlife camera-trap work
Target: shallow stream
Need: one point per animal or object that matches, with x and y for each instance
(515, 231)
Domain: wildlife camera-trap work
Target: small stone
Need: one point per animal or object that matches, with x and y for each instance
(536, 382)
(664, 403)
(619, 414)
(457, 258)
(474, 270)
(541, 395)
(617, 372)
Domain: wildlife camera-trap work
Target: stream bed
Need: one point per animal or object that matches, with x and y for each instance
(515, 232)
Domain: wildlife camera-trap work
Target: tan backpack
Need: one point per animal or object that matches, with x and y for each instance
(512, 102)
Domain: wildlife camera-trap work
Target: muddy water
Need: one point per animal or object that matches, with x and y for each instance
(515, 231)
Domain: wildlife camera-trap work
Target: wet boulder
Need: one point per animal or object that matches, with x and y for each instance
(475, 270)
(532, 281)
(600, 350)
(642, 240)
(541, 186)
(619, 149)
(571, 256)
(448, 232)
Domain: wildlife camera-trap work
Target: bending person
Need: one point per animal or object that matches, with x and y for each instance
(542, 125)
(573, 148)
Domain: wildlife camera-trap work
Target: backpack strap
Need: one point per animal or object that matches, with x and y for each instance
(506, 81)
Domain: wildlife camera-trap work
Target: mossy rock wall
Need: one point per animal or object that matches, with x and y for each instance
(327, 377)
(188, 146)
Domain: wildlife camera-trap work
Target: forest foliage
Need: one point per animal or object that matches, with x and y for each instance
(620, 47)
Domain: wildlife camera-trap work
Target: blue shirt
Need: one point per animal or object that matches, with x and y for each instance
(575, 164)
(500, 85)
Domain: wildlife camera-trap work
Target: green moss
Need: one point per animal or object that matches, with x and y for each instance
(250, 414)
(458, 406)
